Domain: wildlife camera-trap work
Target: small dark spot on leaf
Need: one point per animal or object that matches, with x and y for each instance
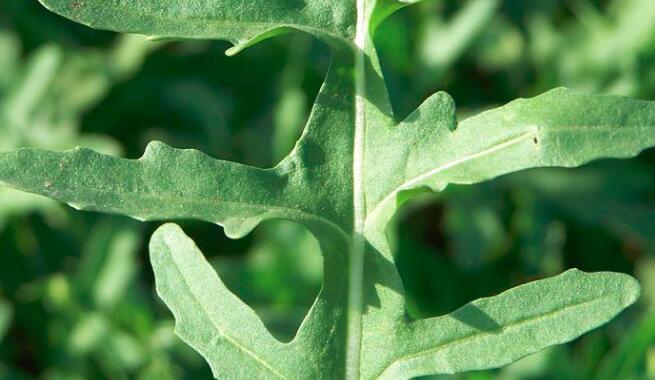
(535, 140)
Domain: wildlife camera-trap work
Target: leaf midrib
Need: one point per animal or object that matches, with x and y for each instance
(358, 244)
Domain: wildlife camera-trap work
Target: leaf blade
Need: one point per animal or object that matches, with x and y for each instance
(523, 134)
(241, 23)
(208, 316)
(492, 332)
(164, 184)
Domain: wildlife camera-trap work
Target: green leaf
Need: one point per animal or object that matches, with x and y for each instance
(242, 23)
(523, 134)
(210, 318)
(519, 322)
(347, 175)
(166, 183)
(516, 323)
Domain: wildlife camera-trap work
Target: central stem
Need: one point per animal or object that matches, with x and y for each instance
(357, 252)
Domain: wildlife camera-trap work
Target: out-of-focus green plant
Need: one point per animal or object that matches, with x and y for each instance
(6, 312)
(5, 318)
(101, 314)
(599, 52)
(593, 197)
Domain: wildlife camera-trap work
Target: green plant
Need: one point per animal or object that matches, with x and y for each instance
(352, 168)
(5, 318)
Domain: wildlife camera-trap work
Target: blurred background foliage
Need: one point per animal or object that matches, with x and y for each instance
(76, 290)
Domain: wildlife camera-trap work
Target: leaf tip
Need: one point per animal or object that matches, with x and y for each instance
(631, 289)
(167, 229)
(625, 287)
(234, 50)
(237, 229)
(163, 234)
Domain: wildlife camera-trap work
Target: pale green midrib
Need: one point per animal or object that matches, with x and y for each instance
(358, 244)
(512, 325)
(239, 346)
(200, 202)
(505, 144)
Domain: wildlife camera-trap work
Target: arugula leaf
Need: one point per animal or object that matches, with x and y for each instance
(520, 135)
(242, 23)
(234, 341)
(513, 323)
(349, 172)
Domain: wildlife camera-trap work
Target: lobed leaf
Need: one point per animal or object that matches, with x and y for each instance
(559, 128)
(242, 23)
(209, 317)
(492, 332)
(486, 333)
(165, 183)
(344, 180)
